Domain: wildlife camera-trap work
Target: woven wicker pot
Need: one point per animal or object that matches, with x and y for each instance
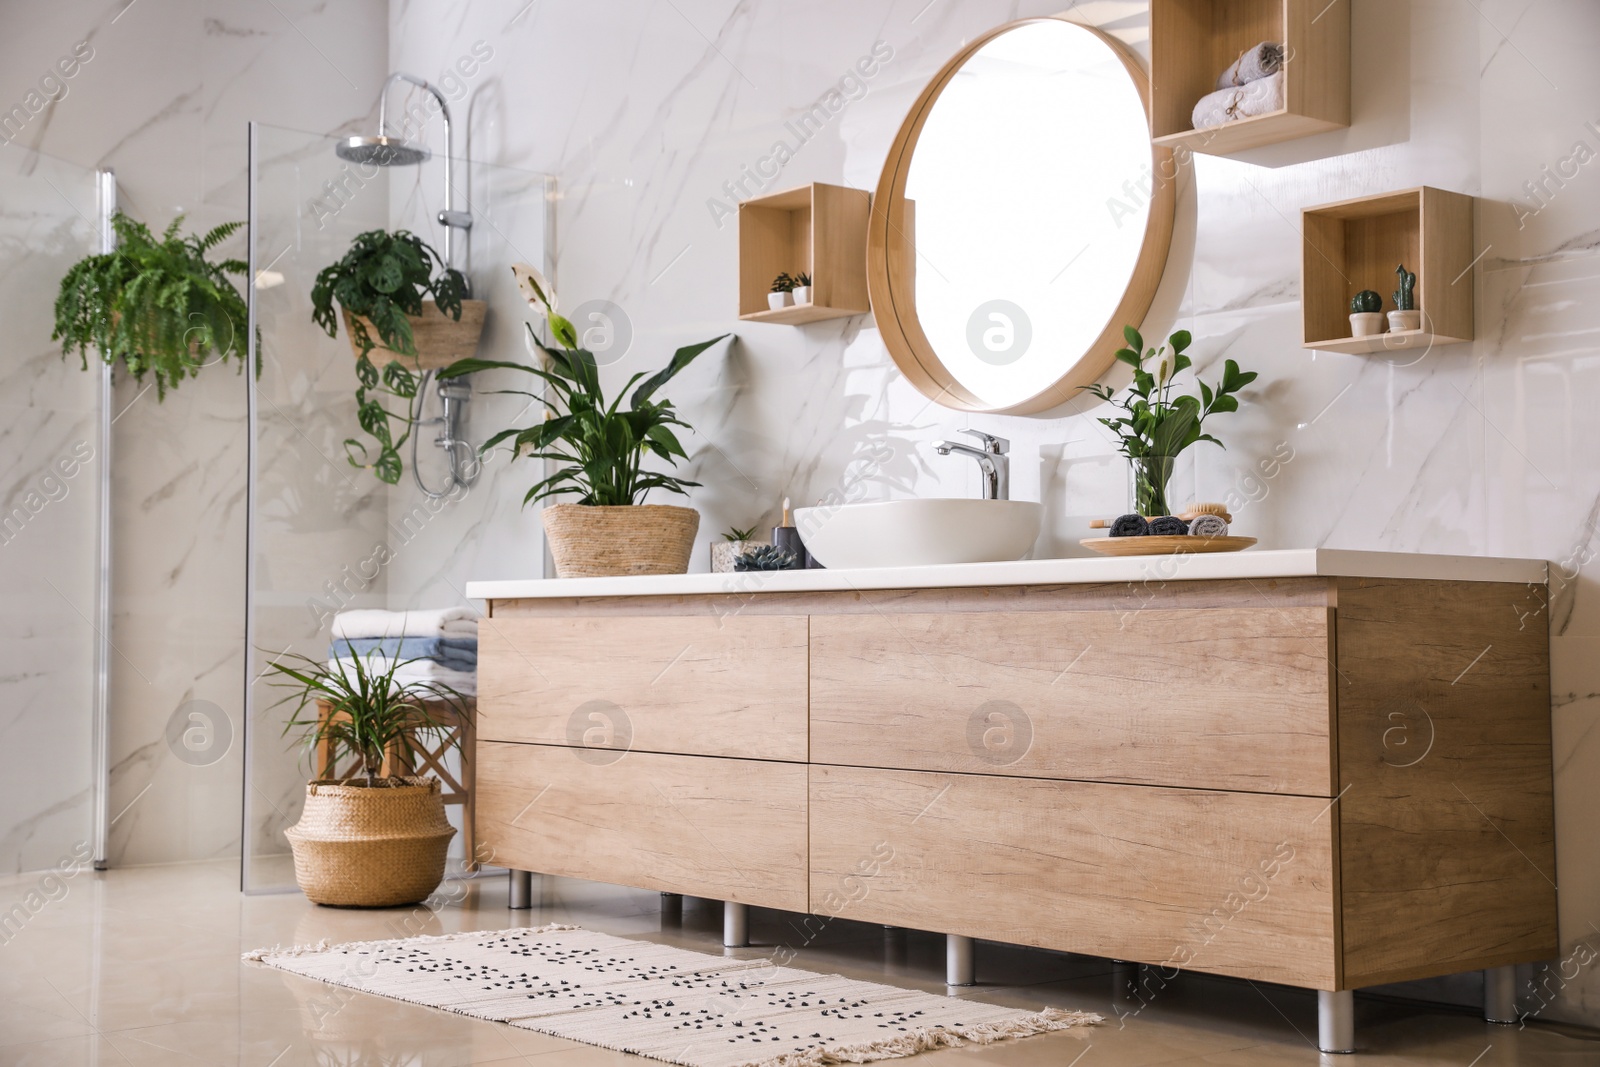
(373, 848)
(601, 542)
(439, 339)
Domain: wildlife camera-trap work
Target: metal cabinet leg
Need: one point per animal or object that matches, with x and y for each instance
(958, 969)
(521, 890)
(735, 924)
(1500, 994)
(1336, 1021)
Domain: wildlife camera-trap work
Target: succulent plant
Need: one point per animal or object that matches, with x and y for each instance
(1405, 297)
(736, 533)
(783, 283)
(1366, 301)
(766, 558)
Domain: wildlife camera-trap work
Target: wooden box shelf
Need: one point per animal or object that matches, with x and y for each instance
(1194, 41)
(820, 229)
(1356, 244)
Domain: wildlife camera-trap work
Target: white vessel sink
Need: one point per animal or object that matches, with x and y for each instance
(915, 533)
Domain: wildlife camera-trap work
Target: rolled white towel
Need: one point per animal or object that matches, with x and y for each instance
(1246, 101)
(423, 622)
(1264, 60)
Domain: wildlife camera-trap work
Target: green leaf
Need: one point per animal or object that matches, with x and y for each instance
(1135, 341)
(1179, 340)
(680, 359)
(1128, 356)
(388, 466)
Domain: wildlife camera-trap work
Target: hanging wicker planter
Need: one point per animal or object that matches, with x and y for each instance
(602, 542)
(439, 339)
(371, 847)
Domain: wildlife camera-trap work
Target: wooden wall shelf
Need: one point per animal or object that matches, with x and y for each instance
(1356, 244)
(1194, 41)
(820, 229)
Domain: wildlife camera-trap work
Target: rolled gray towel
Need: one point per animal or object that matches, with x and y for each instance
(1168, 526)
(1262, 61)
(1242, 102)
(1208, 526)
(1130, 526)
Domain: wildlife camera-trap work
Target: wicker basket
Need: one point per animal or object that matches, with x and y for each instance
(600, 542)
(374, 848)
(439, 339)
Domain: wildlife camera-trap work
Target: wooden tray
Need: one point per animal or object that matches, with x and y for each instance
(1153, 545)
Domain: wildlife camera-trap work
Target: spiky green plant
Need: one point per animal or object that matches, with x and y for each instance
(370, 711)
(157, 306)
(735, 533)
(765, 558)
(1405, 297)
(1366, 302)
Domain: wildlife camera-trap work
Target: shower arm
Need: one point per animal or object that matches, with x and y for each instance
(450, 218)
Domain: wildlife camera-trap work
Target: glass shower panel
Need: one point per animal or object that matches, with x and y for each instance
(49, 521)
(326, 536)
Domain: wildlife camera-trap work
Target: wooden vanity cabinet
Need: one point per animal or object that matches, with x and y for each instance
(1326, 782)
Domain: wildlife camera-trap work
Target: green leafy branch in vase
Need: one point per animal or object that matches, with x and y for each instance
(1155, 425)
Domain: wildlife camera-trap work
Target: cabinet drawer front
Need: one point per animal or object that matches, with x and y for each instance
(1229, 883)
(734, 686)
(719, 828)
(1222, 698)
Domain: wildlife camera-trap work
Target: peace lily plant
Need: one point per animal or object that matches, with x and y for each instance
(1157, 423)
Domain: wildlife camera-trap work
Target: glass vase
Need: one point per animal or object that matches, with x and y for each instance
(1151, 476)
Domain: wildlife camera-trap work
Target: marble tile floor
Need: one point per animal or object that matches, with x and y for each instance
(141, 966)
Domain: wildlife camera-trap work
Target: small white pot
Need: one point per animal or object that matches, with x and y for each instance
(1405, 320)
(802, 294)
(779, 300)
(1366, 323)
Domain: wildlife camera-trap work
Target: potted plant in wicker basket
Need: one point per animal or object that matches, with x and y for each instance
(380, 285)
(600, 448)
(370, 840)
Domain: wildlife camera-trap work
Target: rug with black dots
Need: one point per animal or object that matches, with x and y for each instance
(667, 1003)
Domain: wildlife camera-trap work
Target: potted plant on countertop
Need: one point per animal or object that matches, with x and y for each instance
(599, 447)
(158, 307)
(782, 294)
(371, 840)
(1156, 426)
(380, 285)
(1405, 315)
(1366, 314)
(802, 288)
(734, 543)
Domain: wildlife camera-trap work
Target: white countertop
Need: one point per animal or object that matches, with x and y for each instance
(1284, 563)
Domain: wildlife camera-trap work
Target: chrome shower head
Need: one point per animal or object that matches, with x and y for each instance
(382, 151)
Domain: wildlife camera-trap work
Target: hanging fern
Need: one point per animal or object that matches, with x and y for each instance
(158, 307)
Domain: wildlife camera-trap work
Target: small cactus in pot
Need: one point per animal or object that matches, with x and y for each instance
(1366, 318)
(1405, 316)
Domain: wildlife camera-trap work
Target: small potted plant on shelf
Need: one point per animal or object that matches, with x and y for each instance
(782, 294)
(1157, 426)
(802, 288)
(380, 285)
(599, 448)
(1366, 314)
(373, 839)
(158, 307)
(734, 542)
(1405, 316)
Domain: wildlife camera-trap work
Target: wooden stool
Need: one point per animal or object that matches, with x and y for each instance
(398, 761)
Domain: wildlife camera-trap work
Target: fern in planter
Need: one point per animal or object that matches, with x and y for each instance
(382, 279)
(157, 306)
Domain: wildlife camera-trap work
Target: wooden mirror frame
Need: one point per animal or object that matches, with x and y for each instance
(887, 268)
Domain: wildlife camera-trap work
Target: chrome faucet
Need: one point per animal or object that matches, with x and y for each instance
(991, 457)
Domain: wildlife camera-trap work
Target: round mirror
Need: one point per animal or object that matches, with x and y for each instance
(1022, 218)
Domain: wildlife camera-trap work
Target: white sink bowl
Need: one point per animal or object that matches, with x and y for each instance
(915, 533)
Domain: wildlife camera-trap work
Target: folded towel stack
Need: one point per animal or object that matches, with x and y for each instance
(1252, 85)
(439, 645)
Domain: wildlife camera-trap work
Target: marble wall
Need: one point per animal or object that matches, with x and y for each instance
(164, 99)
(644, 111)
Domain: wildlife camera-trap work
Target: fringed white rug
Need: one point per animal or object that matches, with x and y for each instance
(667, 1003)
